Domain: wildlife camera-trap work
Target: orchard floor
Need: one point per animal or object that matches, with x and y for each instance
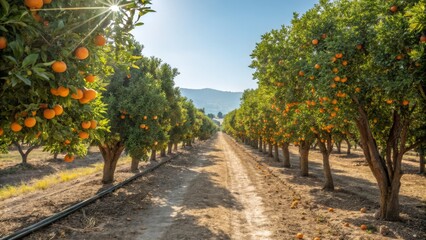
(221, 189)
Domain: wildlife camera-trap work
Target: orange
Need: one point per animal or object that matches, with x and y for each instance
(301, 73)
(1, 131)
(142, 126)
(54, 91)
(335, 70)
(43, 105)
(155, 117)
(344, 63)
(405, 102)
(81, 53)
(15, 127)
(317, 66)
(122, 116)
(59, 67)
(90, 94)
(49, 113)
(363, 227)
(343, 80)
(339, 55)
(86, 124)
(68, 158)
(299, 235)
(359, 46)
(389, 101)
(393, 8)
(90, 78)
(145, 117)
(334, 101)
(422, 39)
(34, 113)
(337, 78)
(83, 135)
(84, 100)
(333, 85)
(78, 95)
(30, 122)
(315, 41)
(99, 40)
(67, 141)
(3, 43)
(93, 124)
(357, 89)
(34, 4)
(63, 91)
(323, 36)
(58, 109)
(317, 238)
(47, 1)
(36, 17)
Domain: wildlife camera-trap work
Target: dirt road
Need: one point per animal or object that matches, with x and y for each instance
(215, 191)
(221, 190)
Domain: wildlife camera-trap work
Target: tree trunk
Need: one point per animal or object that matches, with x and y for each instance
(110, 153)
(339, 146)
(422, 160)
(270, 150)
(175, 147)
(134, 167)
(189, 143)
(326, 151)
(304, 154)
(254, 144)
(24, 155)
(169, 148)
(348, 151)
(153, 155)
(265, 151)
(276, 154)
(260, 145)
(55, 156)
(163, 152)
(387, 171)
(286, 154)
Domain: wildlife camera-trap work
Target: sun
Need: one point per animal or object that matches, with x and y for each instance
(114, 8)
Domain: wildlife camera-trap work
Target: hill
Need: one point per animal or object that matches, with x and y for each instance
(213, 101)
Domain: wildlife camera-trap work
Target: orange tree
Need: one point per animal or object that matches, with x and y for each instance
(383, 79)
(46, 51)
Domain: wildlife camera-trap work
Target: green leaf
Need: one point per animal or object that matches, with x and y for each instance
(5, 6)
(30, 60)
(46, 64)
(12, 59)
(3, 28)
(23, 79)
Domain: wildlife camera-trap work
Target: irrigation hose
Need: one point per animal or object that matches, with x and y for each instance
(49, 220)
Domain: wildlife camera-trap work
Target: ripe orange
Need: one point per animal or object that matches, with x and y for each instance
(422, 39)
(343, 80)
(86, 124)
(155, 117)
(344, 63)
(78, 95)
(301, 73)
(393, 8)
(405, 102)
(142, 126)
(299, 235)
(333, 85)
(145, 117)
(317, 238)
(90, 94)
(93, 124)
(399, 56)
(338, 55)
(1, 131)
(58, 109)
(59, 66)
(83, 135)
(363, 227)
(49, 113)
(323, 36)
(99, 40)
(315, 41)
(81, 53)
(30, 122)
(67, 141)
(63, 91)
(54, 91)
(84, 100)
(359, 46)
(357, 90)
(47, 1)
(16, 127)
(337, 78)
(3, 43)
(34, 4)
(90, 78)
(317, 66)
(334, 101)
(389, 101)
(123, 116)
(331, 209)
(68, 158)
(312, 77)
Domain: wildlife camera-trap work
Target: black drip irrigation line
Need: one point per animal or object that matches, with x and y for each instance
(49, 220)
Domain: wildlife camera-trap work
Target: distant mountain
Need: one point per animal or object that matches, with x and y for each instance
(213, 101)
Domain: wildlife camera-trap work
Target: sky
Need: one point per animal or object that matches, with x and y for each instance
(210, 41)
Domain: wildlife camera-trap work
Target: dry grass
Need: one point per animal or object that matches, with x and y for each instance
(51, 180)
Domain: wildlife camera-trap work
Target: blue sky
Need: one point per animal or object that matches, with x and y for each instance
(210, 41)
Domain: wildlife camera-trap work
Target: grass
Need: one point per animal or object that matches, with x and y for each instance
(51, 180)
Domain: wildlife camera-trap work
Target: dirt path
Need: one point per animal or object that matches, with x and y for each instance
(214, 191)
